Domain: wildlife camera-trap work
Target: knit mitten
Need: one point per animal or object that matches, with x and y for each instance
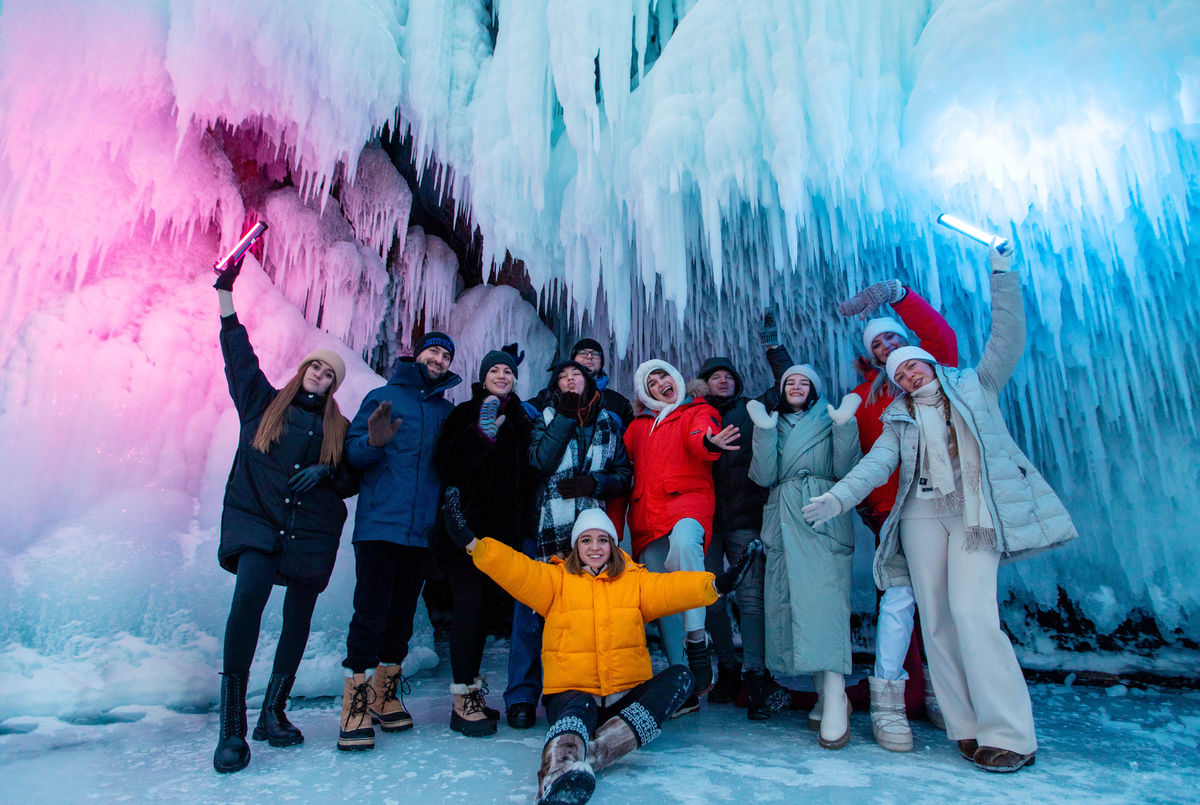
(489, 423)
(845, 412)
(866, 302)
(456, 522)
(727, 582)
(769, 333)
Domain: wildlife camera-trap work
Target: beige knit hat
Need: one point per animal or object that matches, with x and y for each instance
(331, 358)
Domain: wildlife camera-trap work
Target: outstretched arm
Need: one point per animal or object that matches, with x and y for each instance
(1006, 341)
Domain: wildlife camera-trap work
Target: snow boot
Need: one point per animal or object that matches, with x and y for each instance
(522, 715)
(766, 697)
(356, 733)
(967, 747)
(699, 662)
(613, 740)
(233, 753)
(273, 725)
(387, 710)
(566, 778)
(814, 715)
(690, 705)
(729, 679)
(835, 719)
(888, 721)
(1003, 761)
(469, 713)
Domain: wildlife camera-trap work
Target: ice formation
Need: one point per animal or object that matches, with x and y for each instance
(665, 169)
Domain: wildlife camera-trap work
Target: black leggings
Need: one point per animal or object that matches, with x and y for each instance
(644, 707)
(468, 634)
(255, 577)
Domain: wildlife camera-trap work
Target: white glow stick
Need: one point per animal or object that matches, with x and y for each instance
(252, 234)
(973, 232)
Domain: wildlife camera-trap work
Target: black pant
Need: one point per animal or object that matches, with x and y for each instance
(388, 584)
(255, 576)
(644, 707)
(468, 587)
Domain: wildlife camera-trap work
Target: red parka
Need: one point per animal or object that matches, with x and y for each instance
(933, 335)
(672, 471)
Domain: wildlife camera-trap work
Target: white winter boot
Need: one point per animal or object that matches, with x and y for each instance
(933, 710)
(888, 720)
(835, 712)
(814, 715)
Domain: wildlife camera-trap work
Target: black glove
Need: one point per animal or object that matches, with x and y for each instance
(728, 581)
(309, 477)
(511, 349)
(456, 523)
(770, 330)
(581, 486)
(230, 273)
(567, 404)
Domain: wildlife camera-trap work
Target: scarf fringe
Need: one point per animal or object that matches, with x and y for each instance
(949, 504)
(981, 539)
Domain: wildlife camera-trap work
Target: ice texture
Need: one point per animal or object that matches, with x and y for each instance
(664, 169)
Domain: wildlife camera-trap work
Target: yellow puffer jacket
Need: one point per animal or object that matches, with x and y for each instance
(595, 634)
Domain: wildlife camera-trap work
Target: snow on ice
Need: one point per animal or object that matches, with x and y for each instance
(665, 169)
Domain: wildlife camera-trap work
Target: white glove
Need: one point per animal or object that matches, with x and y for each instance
(845, 412)
(822, 509)
(1001, 263)
(760, 417)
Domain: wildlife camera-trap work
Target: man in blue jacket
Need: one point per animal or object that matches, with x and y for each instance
(392, 439)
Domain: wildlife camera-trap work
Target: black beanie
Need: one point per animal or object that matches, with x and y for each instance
(495, 357)
(588, 343)
(434, 339)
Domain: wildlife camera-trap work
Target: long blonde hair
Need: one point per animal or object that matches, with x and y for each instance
(333, 424)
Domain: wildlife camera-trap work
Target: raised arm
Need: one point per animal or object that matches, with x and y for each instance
(764, 463)
(846, 448)
(1006, 341)
(535, 584)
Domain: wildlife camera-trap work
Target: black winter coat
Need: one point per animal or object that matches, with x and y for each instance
(493, 477)
(261, 511)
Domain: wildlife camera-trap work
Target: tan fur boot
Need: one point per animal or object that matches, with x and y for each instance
(469, 715)
(356, 732)
(389, 686)
(565, 778)
(613, 740)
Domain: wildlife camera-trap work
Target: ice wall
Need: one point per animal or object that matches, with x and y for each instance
(665, 170)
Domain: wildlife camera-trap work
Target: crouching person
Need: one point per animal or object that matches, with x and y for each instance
(602, 701)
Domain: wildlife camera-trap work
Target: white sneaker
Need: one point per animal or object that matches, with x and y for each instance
(888, 720)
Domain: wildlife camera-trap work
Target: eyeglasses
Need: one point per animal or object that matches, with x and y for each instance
(588, 353)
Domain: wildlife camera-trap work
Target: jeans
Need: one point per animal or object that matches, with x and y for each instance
(682, 549)
(389, 578)
(729, 545)
(525, 650)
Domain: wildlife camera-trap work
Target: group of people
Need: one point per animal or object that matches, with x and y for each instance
(720, 493)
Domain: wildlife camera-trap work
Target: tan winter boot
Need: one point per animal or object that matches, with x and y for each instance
(565, 778)
(614, 739)
(390, 687)
(888, 720)
(356, 733)
(469, 714)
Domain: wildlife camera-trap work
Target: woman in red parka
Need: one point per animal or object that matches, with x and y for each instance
(672, 445)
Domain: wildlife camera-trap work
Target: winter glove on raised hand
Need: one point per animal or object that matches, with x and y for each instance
(728, 581)
(580, 486)
(769, 332)
(489, 423)
(845, 412)
(309, 477)
(567, 404)
(864, 303)
(456, 523)
(511, 349)
(760, 417)
(381, 428)
(822, 509)
(1001, 262)
(230, 273)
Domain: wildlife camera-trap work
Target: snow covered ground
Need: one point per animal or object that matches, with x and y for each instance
(1097, 745)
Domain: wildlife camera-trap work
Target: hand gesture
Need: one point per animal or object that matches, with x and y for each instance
(728, 581)
(567, 404)
(723, 440)
(845, 412)
(864, 303)
(456, 522)
(760, 417)
(769, 332)
(381, 427)
(309, 477)
(822, 509)
(489, 423)
(226, 276)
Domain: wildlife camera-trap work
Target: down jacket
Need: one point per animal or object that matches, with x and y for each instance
(1027, 514)
(261, 511)
(594, 639)
(672, 471)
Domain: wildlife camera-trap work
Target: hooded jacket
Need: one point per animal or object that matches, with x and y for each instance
(400, 487)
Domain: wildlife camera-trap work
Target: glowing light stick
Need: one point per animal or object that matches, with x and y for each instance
(973, 232)
(252, 234)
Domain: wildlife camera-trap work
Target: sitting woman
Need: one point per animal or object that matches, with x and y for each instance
(602, 701)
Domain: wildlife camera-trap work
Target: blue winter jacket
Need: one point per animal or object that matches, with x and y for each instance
(400, 488)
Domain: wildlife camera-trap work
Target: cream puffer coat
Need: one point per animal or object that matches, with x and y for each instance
(1028, 515)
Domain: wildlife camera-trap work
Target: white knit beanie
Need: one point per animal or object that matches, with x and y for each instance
(805, 370)
(903, 354)
(593, 518)
(333, 360)
(884, 324)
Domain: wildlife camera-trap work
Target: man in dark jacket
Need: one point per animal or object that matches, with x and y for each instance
(588, 353)
(393, 440)
(736, 523)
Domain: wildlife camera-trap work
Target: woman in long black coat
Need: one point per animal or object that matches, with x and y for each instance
(483, 451)
(281, 522)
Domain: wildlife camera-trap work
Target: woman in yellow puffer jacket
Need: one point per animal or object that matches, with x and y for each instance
(595, 666)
